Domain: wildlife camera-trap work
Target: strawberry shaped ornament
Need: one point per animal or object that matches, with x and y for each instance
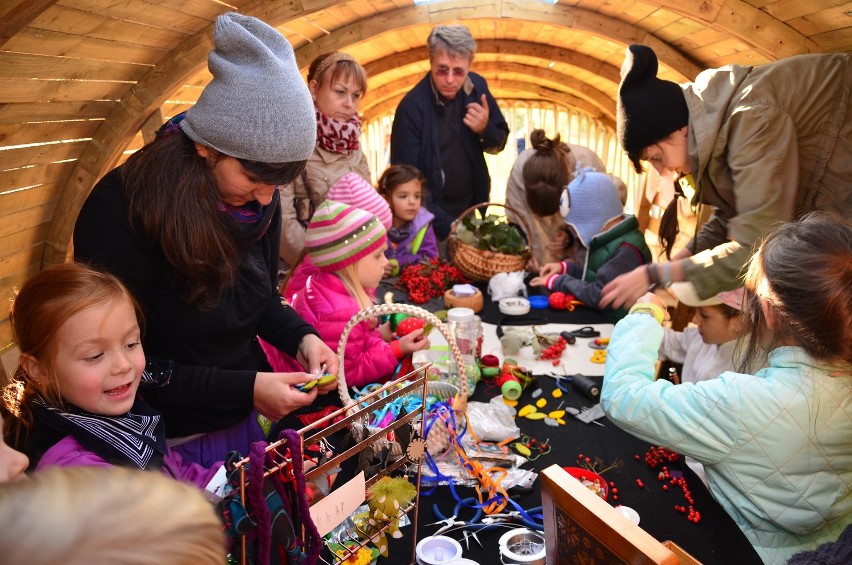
(557, 300)
(408, 325)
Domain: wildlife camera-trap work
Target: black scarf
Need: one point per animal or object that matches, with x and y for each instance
(137, 438)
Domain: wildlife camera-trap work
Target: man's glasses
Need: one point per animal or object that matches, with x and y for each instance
(444, 71)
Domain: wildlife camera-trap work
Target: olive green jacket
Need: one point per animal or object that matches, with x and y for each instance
(766, 145)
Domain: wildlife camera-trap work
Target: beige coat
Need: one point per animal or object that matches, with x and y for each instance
(766, 144)
(324, 168)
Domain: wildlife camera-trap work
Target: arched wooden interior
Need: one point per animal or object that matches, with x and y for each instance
(82, 80)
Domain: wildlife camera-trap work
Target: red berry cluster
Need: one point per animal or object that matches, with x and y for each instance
(554, 351)
(657, 455)
(654, 457)
(429, 279)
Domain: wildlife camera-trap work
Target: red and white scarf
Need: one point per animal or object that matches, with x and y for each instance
(336, 136)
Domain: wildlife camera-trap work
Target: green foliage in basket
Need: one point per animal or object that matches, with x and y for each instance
(492, 233)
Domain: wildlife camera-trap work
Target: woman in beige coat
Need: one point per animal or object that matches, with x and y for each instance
(763, 144)
(337, 83)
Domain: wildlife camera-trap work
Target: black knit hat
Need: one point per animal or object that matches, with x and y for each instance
(649, 109)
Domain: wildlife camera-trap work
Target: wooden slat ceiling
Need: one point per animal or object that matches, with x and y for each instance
(79, 78)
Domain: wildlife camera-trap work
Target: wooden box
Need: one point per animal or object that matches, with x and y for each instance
(580, 527)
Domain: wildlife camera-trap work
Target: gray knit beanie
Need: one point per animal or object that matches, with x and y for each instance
(257, 107)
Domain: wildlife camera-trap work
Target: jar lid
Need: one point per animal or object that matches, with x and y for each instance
(538, 301)
(460, 314)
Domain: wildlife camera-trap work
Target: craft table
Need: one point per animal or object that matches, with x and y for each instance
(714, 539)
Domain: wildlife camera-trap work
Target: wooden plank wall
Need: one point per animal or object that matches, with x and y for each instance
(59, 79)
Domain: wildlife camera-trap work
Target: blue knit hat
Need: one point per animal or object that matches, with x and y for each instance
(594, 202)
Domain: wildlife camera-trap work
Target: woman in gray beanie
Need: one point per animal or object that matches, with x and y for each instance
(762, 144)
(191, 224)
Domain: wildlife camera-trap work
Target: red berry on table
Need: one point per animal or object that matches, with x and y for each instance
(666, 487)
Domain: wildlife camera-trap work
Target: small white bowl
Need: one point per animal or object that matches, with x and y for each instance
(515, 306)
(629, 513)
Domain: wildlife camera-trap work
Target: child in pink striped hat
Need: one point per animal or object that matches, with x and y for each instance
(347, 246)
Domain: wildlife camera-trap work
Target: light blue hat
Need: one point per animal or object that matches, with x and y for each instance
(594, 202)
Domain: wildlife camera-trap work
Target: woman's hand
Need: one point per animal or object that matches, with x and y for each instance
(275, 395)
(538, 281)
(316, 357)
(626, 289)
(414, 341)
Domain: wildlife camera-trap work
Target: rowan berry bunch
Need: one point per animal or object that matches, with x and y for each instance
(554, 351)
(429, 279)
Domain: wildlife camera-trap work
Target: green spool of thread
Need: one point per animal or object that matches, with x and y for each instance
(511, 389)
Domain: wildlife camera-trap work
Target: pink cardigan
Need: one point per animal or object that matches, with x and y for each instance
(324, 302)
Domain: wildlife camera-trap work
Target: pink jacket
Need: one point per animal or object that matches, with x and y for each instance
(68, 452)
(325, 303)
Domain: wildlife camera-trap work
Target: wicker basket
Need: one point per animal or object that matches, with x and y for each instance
(474, 302)
(444, 391)
(481, 264)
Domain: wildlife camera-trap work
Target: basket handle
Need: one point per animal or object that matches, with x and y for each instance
(455, 225)
(460, 403)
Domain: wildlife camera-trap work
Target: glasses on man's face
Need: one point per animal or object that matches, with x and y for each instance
(443, 71)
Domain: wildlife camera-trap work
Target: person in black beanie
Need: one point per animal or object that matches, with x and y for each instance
(762, 144)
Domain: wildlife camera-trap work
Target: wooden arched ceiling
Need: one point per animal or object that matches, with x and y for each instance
(79, 78)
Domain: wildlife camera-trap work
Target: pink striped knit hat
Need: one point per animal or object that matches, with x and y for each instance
(352, 189)
(339, 235)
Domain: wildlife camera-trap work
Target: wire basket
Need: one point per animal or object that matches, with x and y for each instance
(444, 391)
(482, 264)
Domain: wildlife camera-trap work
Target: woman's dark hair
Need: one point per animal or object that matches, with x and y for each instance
(396, 175)
(803, 270)
(172, 195)
(546, 173)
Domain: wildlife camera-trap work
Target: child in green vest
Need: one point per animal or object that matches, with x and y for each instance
(608, 242)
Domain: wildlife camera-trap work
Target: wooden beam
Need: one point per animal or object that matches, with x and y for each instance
(601, 25)
(765, 33)
(509, 47)
(591, 101)
(16, 15)
(152, 124)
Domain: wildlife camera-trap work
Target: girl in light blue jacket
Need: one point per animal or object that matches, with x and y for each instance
(775, 444)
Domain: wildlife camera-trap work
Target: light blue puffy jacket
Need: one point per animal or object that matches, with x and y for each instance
(776, 446)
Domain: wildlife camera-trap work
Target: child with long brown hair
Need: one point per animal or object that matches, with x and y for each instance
(411, 238)
(774, 444)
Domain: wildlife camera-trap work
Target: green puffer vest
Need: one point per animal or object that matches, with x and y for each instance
(603, 246)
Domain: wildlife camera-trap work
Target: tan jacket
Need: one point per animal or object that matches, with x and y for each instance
(766, 144)
(324, 168)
